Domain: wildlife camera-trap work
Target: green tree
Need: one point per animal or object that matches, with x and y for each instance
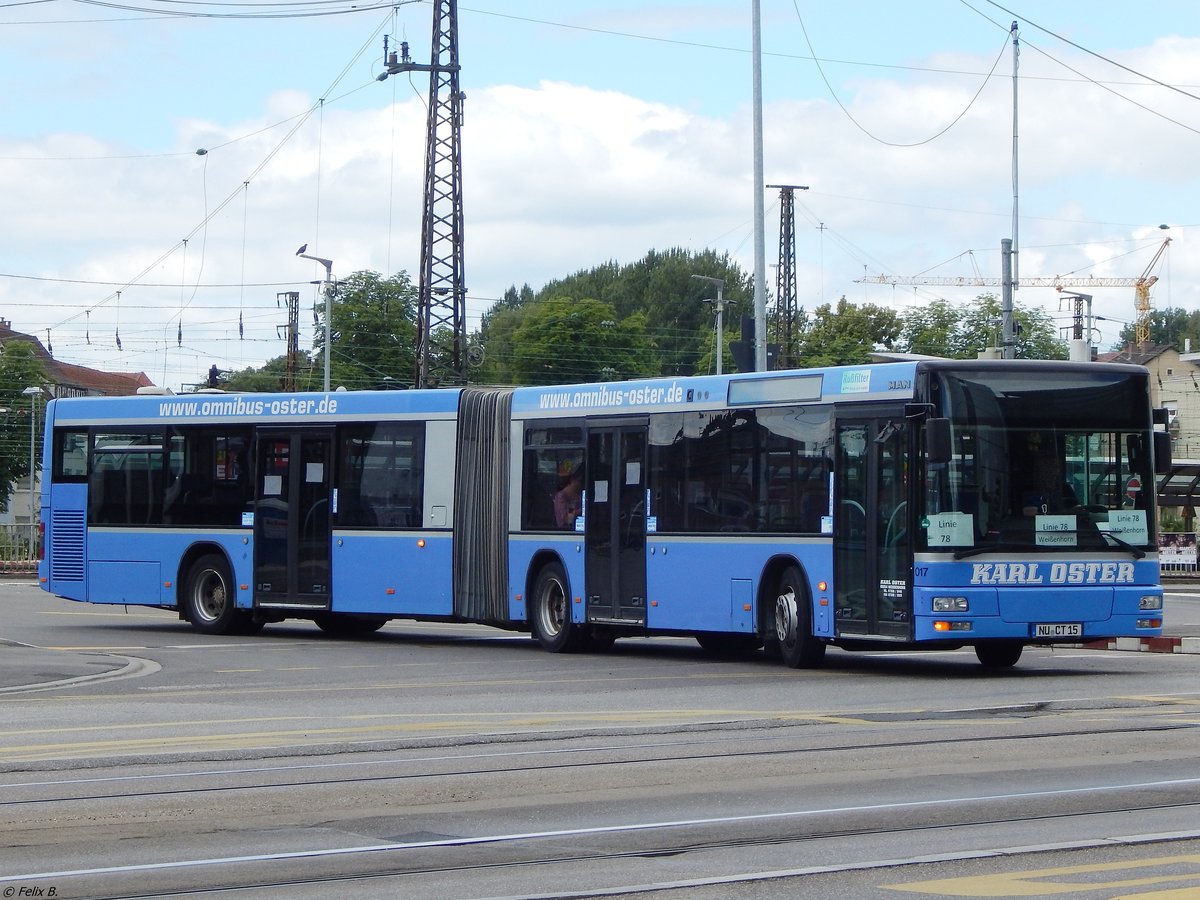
(959, 331)
(846, 334)
(495, 336)
(659, 286)
(374, 341)
(1037, 337)
(271, 376)
(932, 330)
(562, 340)
(1171, 327)
(707, 362)
(374, 332)
(20, 368)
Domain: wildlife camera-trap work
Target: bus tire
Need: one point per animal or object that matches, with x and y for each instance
(550, 614)
(999, 654)
(209, 598)
(793, 623)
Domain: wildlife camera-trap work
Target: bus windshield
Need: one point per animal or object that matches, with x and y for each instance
(1041, 463)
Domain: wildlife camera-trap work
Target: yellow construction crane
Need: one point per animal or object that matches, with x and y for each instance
(1056, 281)
(1141, 296)
(1141, 286)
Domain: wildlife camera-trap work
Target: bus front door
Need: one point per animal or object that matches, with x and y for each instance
(291, 519)
(615, 525)
(872, 553)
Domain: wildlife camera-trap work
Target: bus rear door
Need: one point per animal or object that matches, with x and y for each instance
(872, 548)
(291, 518)
(615, 524)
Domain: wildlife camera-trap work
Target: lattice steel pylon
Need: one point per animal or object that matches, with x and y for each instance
(442, 294)
(786, 311)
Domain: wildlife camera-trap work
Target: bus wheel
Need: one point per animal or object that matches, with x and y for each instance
(793, 624)
(208, 597)
(551, 612)
(999, 654)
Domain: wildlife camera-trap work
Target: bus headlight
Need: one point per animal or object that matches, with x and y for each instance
(1150, 601)
(956, 604)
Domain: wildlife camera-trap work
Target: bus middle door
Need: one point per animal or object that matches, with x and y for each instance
(615, 524)
(293, 480)
(872, 549)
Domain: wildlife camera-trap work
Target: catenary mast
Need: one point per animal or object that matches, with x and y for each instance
(442, 293)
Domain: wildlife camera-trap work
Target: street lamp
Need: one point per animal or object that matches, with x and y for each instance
(328, 291)
(720, 305)
(32, 393)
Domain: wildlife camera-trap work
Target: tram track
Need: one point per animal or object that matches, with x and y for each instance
(697, 753)
(525, 855)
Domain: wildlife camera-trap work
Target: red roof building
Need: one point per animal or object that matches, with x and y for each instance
(68, 380)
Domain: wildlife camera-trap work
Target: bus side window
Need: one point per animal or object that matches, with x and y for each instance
(552, 464)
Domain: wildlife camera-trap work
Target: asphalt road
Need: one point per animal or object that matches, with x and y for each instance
(139, 758)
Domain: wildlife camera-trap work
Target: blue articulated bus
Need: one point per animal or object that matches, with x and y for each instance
(918, 504)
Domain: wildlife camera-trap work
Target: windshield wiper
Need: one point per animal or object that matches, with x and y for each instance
(989, 548)
(1125, 545)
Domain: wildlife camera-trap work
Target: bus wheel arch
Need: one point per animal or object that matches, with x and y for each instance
(785, 612)
(207, 593)
(186, 563)
(549, 606)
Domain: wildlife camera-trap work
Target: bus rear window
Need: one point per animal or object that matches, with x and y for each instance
(70, 456)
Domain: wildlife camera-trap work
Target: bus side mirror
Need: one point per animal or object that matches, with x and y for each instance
(1162, 452)
(939, 447)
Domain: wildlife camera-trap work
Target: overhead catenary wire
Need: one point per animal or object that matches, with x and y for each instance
(253, 174)
(857, 124)
(196, 280)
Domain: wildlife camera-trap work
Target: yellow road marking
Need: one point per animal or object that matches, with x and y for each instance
(412, 724)
(1040, 882)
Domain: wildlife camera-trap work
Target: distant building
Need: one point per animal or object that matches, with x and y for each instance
(62, 380)
(1174, 384)
(67, 380)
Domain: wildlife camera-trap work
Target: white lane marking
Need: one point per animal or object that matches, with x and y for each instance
(581, 832)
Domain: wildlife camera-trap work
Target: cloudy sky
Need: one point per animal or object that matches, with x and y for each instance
(594, 131)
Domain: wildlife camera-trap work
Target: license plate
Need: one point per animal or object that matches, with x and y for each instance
(1057, 630)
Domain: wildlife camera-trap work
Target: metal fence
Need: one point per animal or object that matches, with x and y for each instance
(19, 548)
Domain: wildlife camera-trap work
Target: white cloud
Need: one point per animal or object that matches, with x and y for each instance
(561, 177)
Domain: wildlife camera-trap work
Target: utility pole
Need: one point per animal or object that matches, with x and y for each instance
(719, 303)
(760, 242)
(292, 299)
(1008, 331)
(1009, 248)
(442, 295)
(785, 274)
(327, 293)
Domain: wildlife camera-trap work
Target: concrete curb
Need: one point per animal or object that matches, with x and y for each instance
(1148, 645)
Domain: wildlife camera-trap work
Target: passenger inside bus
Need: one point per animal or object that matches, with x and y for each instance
(567, 499)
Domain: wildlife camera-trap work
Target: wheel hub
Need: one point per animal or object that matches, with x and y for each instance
(786, 618)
